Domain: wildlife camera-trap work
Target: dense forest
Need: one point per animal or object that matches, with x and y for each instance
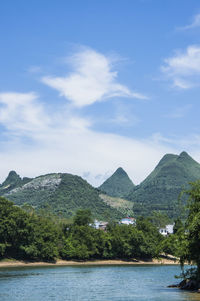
(30, 236)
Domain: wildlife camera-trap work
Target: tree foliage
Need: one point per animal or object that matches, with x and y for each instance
(30, 236)
(24, 235)
(83, 217)
(192, 246)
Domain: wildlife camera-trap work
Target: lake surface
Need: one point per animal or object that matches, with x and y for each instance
(91, 283)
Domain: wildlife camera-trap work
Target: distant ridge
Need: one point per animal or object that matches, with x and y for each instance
(118, 185)
(60, 193)
(63, 193)
(161, 189)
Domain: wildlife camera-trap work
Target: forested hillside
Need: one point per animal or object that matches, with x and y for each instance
(161, 189)
(61, 194)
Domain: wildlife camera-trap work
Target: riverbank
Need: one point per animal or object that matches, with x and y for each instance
(16, 263)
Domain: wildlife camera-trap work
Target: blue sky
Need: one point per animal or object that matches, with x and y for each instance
(88, 86)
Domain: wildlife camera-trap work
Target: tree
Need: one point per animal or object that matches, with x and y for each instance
(178, 225)
(152, 237)
(13, 230)
(83, 217)
(25, 235)
(159, 219)
(192, 253)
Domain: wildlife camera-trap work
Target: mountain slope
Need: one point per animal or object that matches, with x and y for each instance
(62, 194)
(122, 205)
(161, 189)
(118, 185)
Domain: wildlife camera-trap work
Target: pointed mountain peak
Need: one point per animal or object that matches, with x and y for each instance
(13, 180)
(12, 176)
(167, 158)
(120, 171)
(186, 159)
(184, 155)
(161, 189)
(118, 185)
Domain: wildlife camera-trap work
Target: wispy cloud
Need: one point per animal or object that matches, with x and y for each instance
(194, 24)
(92, 79)
(124, 115)
(184, 68)
(34, 69)
(39, 141)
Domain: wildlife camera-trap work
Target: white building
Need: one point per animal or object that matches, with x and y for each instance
(128, 221)
(169, 229)
(99, 225)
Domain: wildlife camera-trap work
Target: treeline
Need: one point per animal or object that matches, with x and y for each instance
(29, 236)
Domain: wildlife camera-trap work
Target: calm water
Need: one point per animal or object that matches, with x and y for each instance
(91, 283)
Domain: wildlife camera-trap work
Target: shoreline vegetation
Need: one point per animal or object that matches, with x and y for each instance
(20, 263)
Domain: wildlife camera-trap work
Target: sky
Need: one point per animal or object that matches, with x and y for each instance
(90, 86)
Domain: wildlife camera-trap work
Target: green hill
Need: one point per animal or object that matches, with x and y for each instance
(60, 193)
(118, 185)
(161, 189)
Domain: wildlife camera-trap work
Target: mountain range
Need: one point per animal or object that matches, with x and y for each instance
(161, 189)
(61, 193)
(64, 193)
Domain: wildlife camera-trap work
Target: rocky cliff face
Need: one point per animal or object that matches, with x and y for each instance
(46, 182)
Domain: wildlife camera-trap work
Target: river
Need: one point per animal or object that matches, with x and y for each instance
(91, 283)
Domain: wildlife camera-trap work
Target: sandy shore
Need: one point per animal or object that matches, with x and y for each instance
(4, 264)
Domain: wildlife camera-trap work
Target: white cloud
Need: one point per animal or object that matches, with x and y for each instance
(76, 151)
(40, 140)
(64, 142)
(92, 79)
(194, 24)
(22, 113)
(184, 68)
(123, 115)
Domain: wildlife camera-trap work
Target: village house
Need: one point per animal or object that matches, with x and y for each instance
(99, 225)
(128, 221)
(167, 230)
